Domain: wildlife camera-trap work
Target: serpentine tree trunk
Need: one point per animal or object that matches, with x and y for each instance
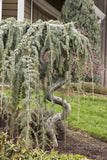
(51, 121)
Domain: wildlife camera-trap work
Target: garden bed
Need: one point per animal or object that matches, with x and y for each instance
(78, 142)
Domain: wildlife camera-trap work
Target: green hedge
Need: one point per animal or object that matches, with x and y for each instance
(89, 87)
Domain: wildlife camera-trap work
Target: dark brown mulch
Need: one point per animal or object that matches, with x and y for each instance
(78, 142)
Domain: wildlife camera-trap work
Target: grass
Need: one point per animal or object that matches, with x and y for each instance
(88, 114)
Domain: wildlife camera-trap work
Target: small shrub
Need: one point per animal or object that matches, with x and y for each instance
(89, 87)
(9, 150)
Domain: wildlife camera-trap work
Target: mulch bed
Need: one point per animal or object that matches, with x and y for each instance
(78, 142)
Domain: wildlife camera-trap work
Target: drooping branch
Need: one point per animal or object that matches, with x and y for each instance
(50, 45)
(32, 29)
(62, 26)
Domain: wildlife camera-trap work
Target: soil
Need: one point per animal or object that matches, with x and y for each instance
(78, 142)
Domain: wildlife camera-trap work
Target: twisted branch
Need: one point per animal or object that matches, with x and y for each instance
(58, 116)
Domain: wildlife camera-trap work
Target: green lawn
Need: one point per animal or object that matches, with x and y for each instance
(92, 114)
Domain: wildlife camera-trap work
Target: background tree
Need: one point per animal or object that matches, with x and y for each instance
(82, 13)
(34, 57)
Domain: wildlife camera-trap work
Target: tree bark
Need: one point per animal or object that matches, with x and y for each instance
(58, 116)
